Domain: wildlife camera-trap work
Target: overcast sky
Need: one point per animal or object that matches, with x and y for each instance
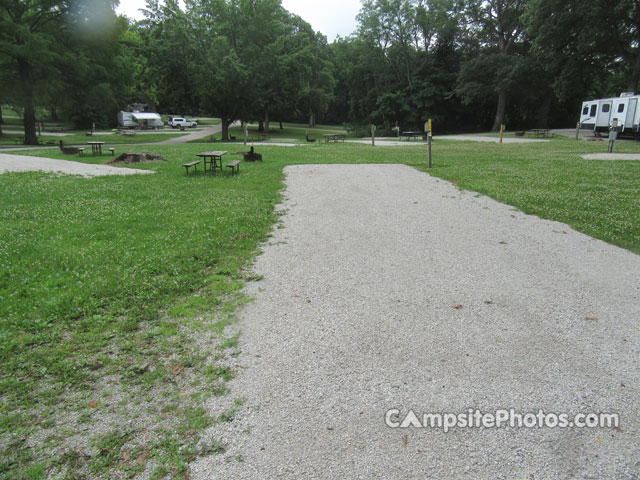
(331, 17)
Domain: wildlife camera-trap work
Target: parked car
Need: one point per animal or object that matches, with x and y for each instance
(181, 122)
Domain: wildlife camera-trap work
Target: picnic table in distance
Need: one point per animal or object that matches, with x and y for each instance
(411, 135)
(541, 132)
(214, 159)
(96, 147)
(334, 137)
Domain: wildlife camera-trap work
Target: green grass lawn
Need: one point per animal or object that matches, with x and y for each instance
(114, 289)
(81, 138)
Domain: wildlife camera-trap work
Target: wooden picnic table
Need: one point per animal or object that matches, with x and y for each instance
(411, 135)
(334, 137)
(541, 132)
(96, 147)
(214, 159)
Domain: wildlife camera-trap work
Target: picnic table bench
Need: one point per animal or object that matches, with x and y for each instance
(235, 165)
(334, 137)
(187, 166)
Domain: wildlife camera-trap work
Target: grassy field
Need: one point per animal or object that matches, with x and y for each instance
(115, 291)
(80, 138)
(291, 131)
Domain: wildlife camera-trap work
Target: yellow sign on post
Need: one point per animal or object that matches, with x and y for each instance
(429, 126)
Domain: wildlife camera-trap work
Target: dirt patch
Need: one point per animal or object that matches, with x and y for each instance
(137, 157)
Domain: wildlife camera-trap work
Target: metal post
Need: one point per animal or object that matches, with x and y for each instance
(429, 127)
(613, 134)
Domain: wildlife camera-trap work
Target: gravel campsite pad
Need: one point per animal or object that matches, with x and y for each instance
(390, 289)
(611, 156)
(23, 163)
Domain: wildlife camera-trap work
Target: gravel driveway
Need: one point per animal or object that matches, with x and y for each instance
(24, 163)
(388, 288)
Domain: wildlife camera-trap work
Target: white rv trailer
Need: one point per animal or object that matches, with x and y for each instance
(125, 120)
(600, 114)
(139, 120)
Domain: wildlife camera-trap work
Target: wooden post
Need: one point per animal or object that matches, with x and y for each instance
(373, 135)
(501, 132)
(429, 136)
(578, 131)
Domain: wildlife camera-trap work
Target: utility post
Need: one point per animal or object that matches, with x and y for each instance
(429, 130)
(501, 132)
(613, 134)
(373, 135)
(578, 131)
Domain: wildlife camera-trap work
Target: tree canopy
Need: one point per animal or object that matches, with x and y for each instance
(471, 64)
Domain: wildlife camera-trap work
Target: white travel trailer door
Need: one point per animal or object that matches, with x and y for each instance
(619, 112)
(588, 114)
(631, 113)
(604, 113)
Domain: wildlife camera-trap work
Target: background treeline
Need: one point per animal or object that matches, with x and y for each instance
(469, 65)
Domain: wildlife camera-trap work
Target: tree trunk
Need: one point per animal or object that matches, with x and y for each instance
(266, 121)
(260, 126)
(281, 126)
(1, 119)
(54, 114)
(225, 128)
(29, 117)
(502, 106)
(545, 110)
(312, 120)
(29, 120)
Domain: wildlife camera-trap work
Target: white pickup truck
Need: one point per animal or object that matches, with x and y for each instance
(181, 122)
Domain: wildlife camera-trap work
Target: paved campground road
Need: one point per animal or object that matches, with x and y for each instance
(195, 135)
(391, 289)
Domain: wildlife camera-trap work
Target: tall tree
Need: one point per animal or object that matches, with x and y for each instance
(29, 51)
(498, 23)
(45, 53)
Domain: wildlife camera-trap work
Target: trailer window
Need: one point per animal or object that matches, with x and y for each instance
(585, 110)
(593, 110)
(605, 108)
(621, 108)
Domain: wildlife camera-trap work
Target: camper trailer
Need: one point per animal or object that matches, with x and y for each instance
(139, 120)
(599, 115)
(125, 120)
